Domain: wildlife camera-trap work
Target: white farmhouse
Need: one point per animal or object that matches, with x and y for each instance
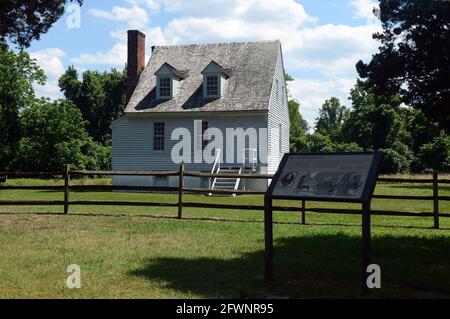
(213, 107)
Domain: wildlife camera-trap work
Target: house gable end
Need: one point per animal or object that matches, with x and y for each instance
(278, 116)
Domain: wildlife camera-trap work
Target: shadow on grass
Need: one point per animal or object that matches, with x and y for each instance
(310, 267)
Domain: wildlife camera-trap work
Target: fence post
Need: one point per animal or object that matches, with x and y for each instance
(303, 212)
(66, 187)
(435, 200)
(180, 191)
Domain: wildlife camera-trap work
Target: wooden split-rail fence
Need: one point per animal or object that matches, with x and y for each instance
(434, 199)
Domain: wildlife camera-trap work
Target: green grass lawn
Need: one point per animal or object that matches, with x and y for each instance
(127, 252)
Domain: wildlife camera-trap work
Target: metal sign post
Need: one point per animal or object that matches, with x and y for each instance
(268, 231)
(334, 177)
(365, 251)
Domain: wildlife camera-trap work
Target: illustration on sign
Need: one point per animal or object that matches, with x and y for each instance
(340, 176)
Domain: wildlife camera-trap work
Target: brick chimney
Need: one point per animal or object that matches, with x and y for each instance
(136, 59)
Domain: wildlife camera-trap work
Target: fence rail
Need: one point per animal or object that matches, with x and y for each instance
(181, 190)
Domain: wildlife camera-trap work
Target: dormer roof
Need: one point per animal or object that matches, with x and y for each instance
(218, 68)
(181, 74)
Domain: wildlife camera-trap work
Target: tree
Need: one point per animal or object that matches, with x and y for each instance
(436, 154)
(332, 116)
(99, 96)
(414, 56)
(422, 131)
(396, 159)
(23, 21)
(298, 125)
(18, 72)
(318, 142)
(53, 134)
(377, 122)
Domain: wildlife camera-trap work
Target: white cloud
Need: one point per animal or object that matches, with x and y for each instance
(134, 17)
(223, 20)
(101, 14)
(363, 9)
(50, 61)
(116, 56)
(236, 20)
(149, 4)
(331, 48)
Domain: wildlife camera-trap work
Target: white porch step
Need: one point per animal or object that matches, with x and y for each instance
(225, 183)
(224, 187)
(228, 183)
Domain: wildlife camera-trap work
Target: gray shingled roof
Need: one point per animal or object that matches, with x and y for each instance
(252, 66)
(179, 73)
(225, 72)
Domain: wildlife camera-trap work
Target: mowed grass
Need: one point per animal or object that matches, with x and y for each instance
(144, 252)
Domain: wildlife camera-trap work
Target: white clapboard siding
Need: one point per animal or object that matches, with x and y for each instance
(133, 139)
(278, 115)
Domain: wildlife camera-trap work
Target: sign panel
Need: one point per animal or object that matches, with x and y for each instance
(326, 176)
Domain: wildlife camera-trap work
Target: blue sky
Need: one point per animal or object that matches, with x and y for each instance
(321, 40)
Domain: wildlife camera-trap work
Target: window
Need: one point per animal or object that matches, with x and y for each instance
(201, 140)
(212, 85)
(205, 139)
(158, 136)
(164, 86)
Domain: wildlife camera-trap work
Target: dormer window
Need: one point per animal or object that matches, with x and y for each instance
(164, 87)
(212, 85)
(168, 81)
(214, 80)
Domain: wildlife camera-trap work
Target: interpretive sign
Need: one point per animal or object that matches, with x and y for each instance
(338, 177)
(335, 176)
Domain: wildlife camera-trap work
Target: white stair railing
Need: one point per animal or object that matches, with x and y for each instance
(215, 169)
(236, 185)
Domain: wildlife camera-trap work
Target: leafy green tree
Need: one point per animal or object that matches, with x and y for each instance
(23, 21)
(414, 56)
(288, 78)
(53, 134)
(300, 144)
(299, 126)
(70, 85)
(347, 147)
(436, 154)
(377, 122)
(332, 116)
(318, 142)
(374, 121)
(396, 159)
(422, 131)
(18, 72)
(99, 96)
